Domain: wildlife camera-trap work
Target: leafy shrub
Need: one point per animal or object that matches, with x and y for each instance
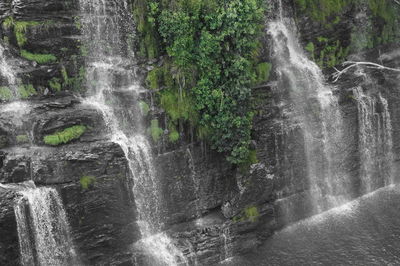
(210, 45)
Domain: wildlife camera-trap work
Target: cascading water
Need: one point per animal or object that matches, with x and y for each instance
(113, 90)
(43, 230)
(6, 70)
(317, 110)
(375, 141)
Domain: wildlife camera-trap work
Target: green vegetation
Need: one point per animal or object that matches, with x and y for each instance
(173, 134)
(382, 25)
(328, 54)
(20, 28)
(39, 58)
(22, 139)
(26, 91)
(87, 181)
(323, 10)
(155, 130)
(206, 79)
(262, 72)
(74, 82)
(5, 94)
(248, 214)
(55, 84)
(148, 36)
(65, 136)
(77, 23)
(251, 159)
(144, 108)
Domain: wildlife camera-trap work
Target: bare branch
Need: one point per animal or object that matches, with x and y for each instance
(350, 64)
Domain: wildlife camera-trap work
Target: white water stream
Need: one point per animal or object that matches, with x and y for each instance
(43, 230)
(113, 90)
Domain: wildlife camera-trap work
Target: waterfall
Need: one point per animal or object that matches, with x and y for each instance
(6, 70)
(375, 141)
(315, 107)
(113, 89)
(43, 230)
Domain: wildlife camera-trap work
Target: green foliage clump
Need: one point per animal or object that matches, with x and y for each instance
(251, 213)
(173, 136)
(323, 10)
(155, 130)
(178, 106)
(20, 28)
(22, 139)
(87, 181)
(248, 214)
(26, 91)
(329, 53)
(73, 82)
(55, 84)
(39, 58)
(262, 72)
(383, 20)
(5, 94)
(386, 20)
(65, 136)
(251, 159)
(153, 79)
(211, 46)
(148, 36)
(77, 23)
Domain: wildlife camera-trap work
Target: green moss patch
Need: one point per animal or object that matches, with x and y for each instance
(87, 181)
(65, 136)
(5, 94)
(155, 130)
(262, 72)
(38, 58)
(26, 91)
(250, 213)
(22, 139)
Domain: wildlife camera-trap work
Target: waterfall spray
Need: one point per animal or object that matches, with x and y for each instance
(43, 230)
(317, 110)
(107, 26)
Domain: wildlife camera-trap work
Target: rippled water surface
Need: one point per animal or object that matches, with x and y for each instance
(363, 232)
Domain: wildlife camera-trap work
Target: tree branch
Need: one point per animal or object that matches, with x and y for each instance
(350, 64)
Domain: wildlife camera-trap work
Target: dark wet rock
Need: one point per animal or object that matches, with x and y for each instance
(193, 183)
(9, 254)
(253, 189)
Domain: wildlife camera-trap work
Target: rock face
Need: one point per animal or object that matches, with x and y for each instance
(212, 210)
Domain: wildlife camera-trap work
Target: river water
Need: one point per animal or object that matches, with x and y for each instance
(365, 231)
